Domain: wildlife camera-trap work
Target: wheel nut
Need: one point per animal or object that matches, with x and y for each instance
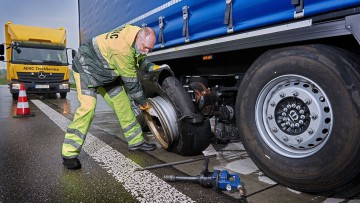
(297, 125)
(282, 94)
(292, 125)
(288, 106)
(287, 123)
(310, 131)
(272, 103)
(283, 114)
(285, 138)
(314, 116)
(322, 99)
(301, 111)
(270, 116)
(302, 117)
(284, 119)
(298, 107)
(293, 105)
(285, 109)
(301, 122)
(295, 93)
(308, 101)
(274, 130)
(298, 139)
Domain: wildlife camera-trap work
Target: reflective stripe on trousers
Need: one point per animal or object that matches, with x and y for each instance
(120, 102)
(116, 99)
(78, 128)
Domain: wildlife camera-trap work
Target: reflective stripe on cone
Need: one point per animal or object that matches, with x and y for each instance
(22, 108)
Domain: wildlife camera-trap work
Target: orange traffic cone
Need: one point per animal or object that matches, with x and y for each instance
(22, 109)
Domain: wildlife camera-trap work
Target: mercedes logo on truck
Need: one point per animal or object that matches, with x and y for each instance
(41, 75)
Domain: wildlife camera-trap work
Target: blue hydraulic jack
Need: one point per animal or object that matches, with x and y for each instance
(218, 180)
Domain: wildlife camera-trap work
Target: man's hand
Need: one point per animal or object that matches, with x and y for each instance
(163, 66)
(147, 108)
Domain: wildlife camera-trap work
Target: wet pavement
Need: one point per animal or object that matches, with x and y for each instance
(31, 169)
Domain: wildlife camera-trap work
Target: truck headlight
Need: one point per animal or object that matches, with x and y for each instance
(64, 86)
(15, 86)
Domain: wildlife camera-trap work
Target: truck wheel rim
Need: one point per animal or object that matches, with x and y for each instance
(163, 127)
(294, 116)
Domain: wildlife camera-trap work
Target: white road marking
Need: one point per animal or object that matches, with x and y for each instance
(144, 186)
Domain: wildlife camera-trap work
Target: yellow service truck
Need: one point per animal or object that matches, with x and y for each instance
(36, 57)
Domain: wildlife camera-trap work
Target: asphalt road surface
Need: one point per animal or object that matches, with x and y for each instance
(31, 167)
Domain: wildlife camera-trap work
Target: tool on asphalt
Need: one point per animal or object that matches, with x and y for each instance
(174, 163)
(218, 180)
(22, 108)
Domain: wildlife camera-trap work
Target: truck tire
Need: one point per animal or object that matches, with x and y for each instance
(298, 112)
(15, 96)
(63, 95)
(188, 137)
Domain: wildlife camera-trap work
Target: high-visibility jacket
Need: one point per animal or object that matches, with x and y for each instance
(112, 55)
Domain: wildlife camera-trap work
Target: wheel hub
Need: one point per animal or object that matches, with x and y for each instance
(292, 116)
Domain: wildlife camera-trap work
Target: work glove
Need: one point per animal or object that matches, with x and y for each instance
(163, 66)
(147, 108)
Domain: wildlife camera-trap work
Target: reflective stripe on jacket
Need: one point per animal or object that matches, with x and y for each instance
(111, 55)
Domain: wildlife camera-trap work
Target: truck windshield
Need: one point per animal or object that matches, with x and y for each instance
(39, 55)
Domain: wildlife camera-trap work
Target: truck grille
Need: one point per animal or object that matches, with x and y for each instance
(45, 78)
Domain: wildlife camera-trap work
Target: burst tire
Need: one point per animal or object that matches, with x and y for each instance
(192, 137)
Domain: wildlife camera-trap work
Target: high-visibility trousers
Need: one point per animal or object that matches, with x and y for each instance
(117, 99)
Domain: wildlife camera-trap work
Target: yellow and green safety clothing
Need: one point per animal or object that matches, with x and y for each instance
(107, 65)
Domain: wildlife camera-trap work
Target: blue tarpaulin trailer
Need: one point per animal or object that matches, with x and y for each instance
(205, 18)
(283, 77)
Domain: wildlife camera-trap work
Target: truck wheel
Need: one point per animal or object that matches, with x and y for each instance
(174, 131)
(298, 114)
(63, 95)
(141, 119)
(15, 96)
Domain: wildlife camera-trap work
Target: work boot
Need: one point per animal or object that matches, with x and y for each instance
(72, 163)
(143, 147)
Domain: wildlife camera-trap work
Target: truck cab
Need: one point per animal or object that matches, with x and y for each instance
(36, 57)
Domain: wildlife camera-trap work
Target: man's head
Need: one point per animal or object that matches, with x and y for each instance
(145, 40)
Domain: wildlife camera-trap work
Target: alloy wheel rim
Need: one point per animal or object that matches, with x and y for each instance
(294, 116)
